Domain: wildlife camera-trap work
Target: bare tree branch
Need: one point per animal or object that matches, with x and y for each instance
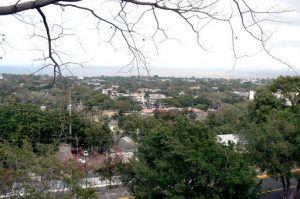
(50, 53)
(19, 7)
(262, 37)
(197, 14)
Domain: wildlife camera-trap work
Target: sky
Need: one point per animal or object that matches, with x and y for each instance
(85, 44)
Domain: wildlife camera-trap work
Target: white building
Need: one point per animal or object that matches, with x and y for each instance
(139, 97)
(291, 96)
(251, 95)
(107, 91)
(43, 107)
(155, 96)
(228, 138)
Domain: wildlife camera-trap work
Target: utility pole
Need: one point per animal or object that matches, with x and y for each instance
(70, 113)
(77, 146)
(86, 173)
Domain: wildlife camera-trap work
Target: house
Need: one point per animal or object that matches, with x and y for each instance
(155, 96)
(226, 139)
(148, 111)
(190, 80)
(288, 100)
(124, 157)
(124, 151)
(194, 87)
(126, 144)
(107, 91)
(64, 153)
(181, 93)
(113, 126)
(251, 95)
(200, 115)
(139, 97)
(109, 113)
(123, 95)
(43, 107)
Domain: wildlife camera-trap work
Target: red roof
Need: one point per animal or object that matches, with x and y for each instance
(148, 110)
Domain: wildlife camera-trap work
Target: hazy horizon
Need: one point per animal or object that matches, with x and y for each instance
(160, 71)
(180, 55)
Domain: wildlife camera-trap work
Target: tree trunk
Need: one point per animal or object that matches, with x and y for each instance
(288, 187)
(294, 193)
(284, 188)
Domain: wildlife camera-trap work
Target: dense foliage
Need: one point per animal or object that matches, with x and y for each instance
(177, 157)
(185, 161)
(22, 121)
(29, 173)
(272, 131)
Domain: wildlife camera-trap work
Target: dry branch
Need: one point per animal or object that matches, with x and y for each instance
(197, 14)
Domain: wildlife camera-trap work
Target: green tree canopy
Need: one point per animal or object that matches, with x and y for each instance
(23, 121)
(96, 134)
(24, 170)
(272, 130)
(224, 120)
(185, 161)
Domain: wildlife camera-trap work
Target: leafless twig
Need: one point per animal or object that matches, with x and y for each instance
(127, 18)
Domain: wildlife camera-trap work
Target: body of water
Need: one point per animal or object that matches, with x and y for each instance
(160, 71)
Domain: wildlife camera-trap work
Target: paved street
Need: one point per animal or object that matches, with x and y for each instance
(113, 193)
(276, 195)
(275, 188)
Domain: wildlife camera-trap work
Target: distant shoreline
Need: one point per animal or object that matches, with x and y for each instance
(162, 72)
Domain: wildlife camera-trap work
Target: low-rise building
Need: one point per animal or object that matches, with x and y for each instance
(109, 113)
(107, 91)
(139, 97)
(200, 114)
(226, 139)
(148, 112)
(251, 95)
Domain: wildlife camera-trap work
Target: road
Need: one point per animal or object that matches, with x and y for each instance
(275, 188)
(58, 186)
(271, 187)
(113, 193)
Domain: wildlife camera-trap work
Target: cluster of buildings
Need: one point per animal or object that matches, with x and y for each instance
(147, 97)
(246, 95)
(199, 114)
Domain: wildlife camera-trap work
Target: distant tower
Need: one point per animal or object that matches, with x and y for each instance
(1, 76)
